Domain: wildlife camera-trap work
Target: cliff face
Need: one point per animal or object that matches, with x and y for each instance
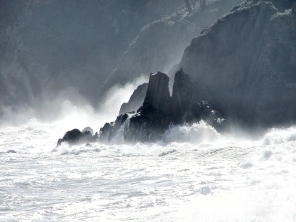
(245, 64)
(182, 95)
(160, 110)
(158, 95)
(160, 44)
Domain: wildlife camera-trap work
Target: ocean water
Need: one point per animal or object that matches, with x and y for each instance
(194, 174)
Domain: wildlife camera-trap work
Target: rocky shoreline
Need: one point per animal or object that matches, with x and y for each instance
(244, 65)
(158, 112)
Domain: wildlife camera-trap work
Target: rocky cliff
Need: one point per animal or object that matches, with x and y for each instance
(160, 44)
(160, 110)
(245, 64)
(136, 99)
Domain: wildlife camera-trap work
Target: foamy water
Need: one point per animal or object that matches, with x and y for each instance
(194, 174)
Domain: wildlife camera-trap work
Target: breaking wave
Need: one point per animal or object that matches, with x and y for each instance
(196, 133)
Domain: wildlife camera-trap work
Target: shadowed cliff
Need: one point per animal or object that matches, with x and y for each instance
(245, 64)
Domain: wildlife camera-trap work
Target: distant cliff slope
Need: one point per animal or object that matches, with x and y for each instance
(160, 44)
(245, 64)
(49, 46)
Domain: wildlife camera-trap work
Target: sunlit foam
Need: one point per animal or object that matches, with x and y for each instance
(196, 133)
(249, 204)
(72, 110)
(116, 96)
(278, 136)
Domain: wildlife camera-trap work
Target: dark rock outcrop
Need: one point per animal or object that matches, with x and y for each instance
(136, 99)
(158, 94)
(159, 111)
(75, 137)
(109, 130)
(182, 96)
(245, 65)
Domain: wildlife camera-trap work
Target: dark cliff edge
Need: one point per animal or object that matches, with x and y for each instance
(245, 64)
(160, 111)
(156, 114)
(136, 99)
(160, 44)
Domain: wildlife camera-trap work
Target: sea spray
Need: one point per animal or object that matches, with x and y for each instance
(193, 174)
(195, 133)
(211, 178)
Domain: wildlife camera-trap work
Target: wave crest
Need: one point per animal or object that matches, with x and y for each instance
(279, 136)
(196, 133)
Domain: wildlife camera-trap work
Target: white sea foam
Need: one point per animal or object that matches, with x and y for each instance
(193, 174)
(196, 133)
(202, 179)
(278, 136)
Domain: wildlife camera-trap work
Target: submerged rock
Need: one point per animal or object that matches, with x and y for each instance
(75, 137)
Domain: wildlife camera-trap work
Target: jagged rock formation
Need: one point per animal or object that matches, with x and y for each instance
(245, 64)
(158, 94)
(136, 99)
(109, 130)
(159, 111)
(75, 137)
(182, 96)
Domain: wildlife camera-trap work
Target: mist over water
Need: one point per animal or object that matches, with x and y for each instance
(193, 174)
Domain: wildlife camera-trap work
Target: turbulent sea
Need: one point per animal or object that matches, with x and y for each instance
(193, 174)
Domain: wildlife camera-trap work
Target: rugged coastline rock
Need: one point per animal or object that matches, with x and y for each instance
(158, 94)
(75, 137)
(182, 96)
(159, 111)
(245, 64)
(136, 99)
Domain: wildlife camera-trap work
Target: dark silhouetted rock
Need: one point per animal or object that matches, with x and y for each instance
(160, 111)
(148, 124)
(109, 130)
(136, 99)
(75, 137)
(245, 65)
(158, 94)
(182, 96)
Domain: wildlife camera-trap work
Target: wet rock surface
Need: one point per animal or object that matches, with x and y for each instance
(76, 137)
(159, 111)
